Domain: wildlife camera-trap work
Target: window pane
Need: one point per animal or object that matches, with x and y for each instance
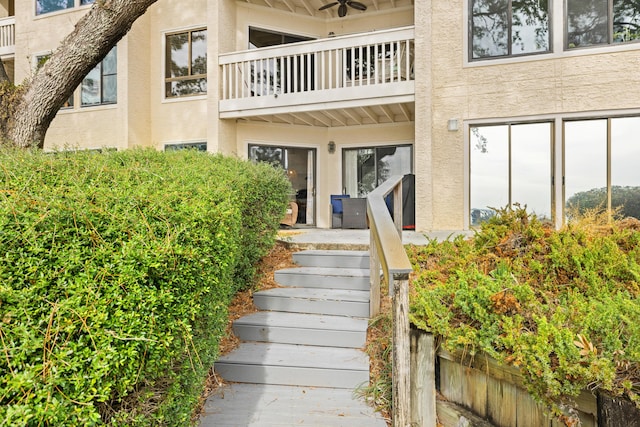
(489, 171)
(109, 89)
(90, 88)
(531, 167)
(186, 87)
(199, 52)
(393, 161)
(585, 153)
(587, 22)
(530, 26)
(366, 172)
(625, 174)
(263, 153)
(177, 55)
(46, 6)
(490, 33)
(109, 63)
(87, 2)
(626, 21)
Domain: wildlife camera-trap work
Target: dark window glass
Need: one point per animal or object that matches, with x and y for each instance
(503, 28)
(590, 23)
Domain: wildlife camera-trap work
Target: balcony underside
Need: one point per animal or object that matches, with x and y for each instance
(311, 7)
(312, 110)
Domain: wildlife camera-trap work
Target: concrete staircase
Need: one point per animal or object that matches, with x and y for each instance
(310, 333)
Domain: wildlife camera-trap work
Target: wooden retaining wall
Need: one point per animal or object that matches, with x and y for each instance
(478, 392)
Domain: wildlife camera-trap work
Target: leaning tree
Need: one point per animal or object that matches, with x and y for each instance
(28, 112)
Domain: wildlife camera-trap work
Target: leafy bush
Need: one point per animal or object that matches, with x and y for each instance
(115, 274)
(561, 305)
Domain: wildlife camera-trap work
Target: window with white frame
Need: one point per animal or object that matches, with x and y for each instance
(100, 86)
(510, 164)
(47, 6)
(186, 63)
(503, 28)
(601, 22)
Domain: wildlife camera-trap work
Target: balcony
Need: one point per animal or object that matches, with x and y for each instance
(349, 80)
(7, 37)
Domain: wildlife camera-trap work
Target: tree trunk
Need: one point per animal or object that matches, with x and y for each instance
(47, 90)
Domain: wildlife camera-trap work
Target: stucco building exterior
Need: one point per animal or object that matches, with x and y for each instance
(485, 102)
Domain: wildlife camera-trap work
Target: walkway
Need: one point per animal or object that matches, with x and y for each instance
(243, 404)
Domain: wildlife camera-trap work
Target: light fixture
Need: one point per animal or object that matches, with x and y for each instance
(452, 125)
(332, 147)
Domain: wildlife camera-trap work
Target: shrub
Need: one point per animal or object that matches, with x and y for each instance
(115, 274)
(561, 305)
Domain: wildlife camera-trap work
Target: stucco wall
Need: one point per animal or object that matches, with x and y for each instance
(588, 80)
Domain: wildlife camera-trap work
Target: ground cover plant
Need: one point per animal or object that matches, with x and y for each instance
(116, 270)
(560, 305)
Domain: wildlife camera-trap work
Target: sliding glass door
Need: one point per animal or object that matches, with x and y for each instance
(299, 164)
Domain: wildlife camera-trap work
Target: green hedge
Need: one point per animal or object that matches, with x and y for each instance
(116, 270)
(561, 305)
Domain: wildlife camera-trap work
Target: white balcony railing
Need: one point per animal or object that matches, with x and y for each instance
(370, 65)
(7, 36)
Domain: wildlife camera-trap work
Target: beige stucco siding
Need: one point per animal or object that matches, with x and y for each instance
(561, 83)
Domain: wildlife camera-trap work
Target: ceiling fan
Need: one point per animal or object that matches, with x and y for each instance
(342, 9)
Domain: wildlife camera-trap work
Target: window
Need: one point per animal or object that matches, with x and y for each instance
(500, 28)
(186, 63)
(100, 86)
(47, 6)
(40, 60)
(367, 168)
(600, 22)
(510, 164)
(198, 146)
(601, 166)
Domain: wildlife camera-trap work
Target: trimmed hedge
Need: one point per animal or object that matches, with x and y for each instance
(116, 270)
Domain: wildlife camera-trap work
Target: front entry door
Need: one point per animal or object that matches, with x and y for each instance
(299, 164)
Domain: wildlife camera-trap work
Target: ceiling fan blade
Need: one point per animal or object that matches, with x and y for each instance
(327, 6)
(357, 5)
(342, 10)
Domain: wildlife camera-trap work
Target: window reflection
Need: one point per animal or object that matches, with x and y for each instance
(501, 27)
(186, 63)
(510, 164)
(367, 168)
(531, 167)
(489, 171)
(46, 6)
(585, 165)
(625, 174)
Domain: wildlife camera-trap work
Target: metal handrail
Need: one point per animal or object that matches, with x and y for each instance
(387, 252)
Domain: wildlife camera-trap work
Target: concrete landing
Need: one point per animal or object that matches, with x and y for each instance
(257, 405)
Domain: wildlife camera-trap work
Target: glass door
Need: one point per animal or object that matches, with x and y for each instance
(299, 164)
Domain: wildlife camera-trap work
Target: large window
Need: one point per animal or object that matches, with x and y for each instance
(46, 6)
(599, 22)
(367, 168)
(100, 86)
(186, 63)
(500, 28)
(510, 164)
(601, 169)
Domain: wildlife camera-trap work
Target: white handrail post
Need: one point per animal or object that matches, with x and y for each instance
(401, 352)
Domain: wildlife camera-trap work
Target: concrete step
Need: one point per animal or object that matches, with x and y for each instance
(289, 364)
(332, 258)
(298, 328)
(324, 277)
(311, 300)
(260, 405)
